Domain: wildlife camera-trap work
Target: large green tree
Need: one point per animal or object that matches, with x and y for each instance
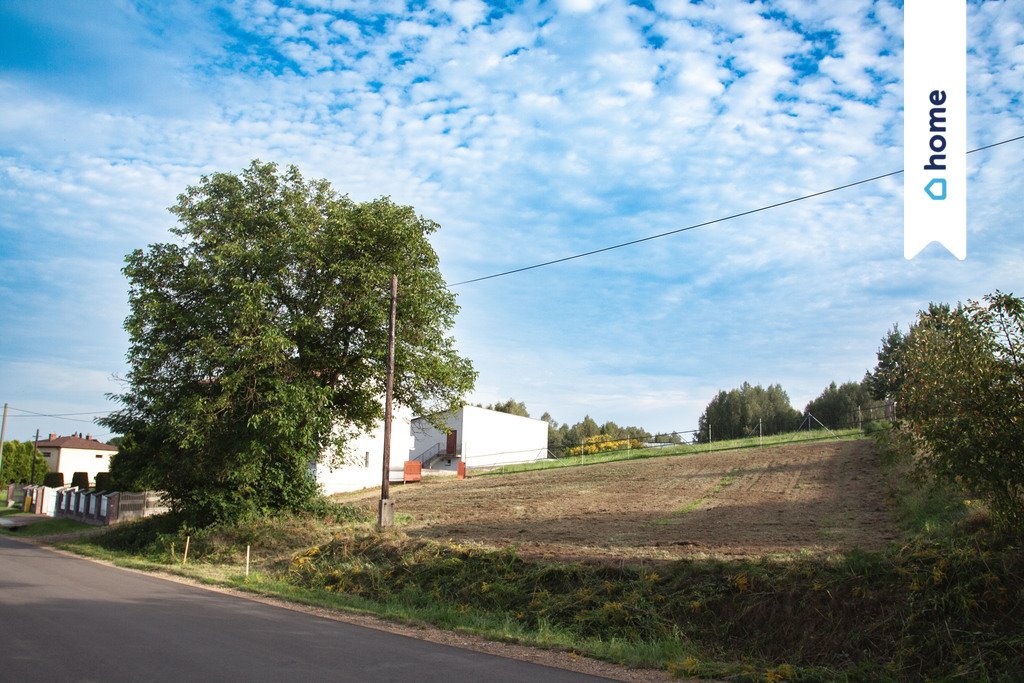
(961, 393)
(258, 339)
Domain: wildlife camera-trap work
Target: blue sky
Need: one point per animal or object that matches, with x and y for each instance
(529, 131)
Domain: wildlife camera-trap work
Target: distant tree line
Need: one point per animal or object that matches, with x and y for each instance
(752, 409)
(739, 412)
(733, 414)
(587, 435)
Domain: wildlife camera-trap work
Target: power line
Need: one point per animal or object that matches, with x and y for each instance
(710, 222)
(61, 416)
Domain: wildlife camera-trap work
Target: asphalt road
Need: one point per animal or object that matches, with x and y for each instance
(64, 618)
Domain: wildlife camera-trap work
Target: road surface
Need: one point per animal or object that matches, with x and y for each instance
(65, 618)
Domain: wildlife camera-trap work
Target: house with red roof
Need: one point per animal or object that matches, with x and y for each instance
(76, 453)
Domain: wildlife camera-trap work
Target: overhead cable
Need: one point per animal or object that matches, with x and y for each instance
(710, 222)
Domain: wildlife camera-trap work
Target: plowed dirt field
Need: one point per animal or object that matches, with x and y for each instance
(805, 498)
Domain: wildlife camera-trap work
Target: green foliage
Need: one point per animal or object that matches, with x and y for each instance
(80, 479)
(674, 437)
(961, 393)
(593, 601)
(511, 406)
(604, 443)
(103, 481)
(926, 507)
(875, 426)
(884, 382)
(931, 607)
(866, 616)
(846, 405)
(276, 536)
(565, 439)
(53, 479)
(259, 340)
(17, 463)
(130, 471)
(735, 414)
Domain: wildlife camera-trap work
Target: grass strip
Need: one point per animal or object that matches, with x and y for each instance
(47, 527)
(676, 449)
(929, 608)
(947, 603)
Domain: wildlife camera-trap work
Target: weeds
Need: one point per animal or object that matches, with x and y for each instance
(947, 602)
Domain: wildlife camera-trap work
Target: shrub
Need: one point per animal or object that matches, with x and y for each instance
(103, 481)
(877, 426)
(80, 479)
(961, 393)
(53, 479)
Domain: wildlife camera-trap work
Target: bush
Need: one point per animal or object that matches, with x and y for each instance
(103, 481)
(80, 479)
(53, 479)
(962, 373)
(877, 426)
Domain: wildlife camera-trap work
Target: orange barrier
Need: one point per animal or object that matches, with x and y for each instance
(462, 470)
(413, 471)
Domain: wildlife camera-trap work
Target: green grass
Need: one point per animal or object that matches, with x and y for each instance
(947, 602)
(47, 527)
(678, 449)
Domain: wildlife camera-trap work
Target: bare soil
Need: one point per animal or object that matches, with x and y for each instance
(816, 498)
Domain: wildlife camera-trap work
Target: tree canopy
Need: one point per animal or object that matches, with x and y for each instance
(258, 339)
(960, 389)
(511, 406)
(735, 414)
(846, 405)
(17, 463)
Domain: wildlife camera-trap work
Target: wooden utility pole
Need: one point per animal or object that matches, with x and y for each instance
(3, 430)
(35, 450)
(386, 507)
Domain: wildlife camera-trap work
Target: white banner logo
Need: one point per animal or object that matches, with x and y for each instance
(935, 126)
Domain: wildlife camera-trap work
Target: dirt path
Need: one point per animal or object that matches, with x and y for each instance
(815, 498)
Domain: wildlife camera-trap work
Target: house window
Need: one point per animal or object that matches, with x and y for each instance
(99, 455)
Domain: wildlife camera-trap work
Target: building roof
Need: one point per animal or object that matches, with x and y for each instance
(87, 442)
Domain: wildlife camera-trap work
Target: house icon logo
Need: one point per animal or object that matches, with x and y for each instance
(936, 189)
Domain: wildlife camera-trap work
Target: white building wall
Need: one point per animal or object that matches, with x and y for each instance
(71, 460)
(484, 438)
(493, 438)
(364, 457)
(429, 440)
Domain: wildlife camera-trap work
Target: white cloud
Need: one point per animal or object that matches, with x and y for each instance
(529, 142)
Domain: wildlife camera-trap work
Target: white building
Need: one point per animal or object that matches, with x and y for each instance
(480, 438)
(364, 457)
(76, 453)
